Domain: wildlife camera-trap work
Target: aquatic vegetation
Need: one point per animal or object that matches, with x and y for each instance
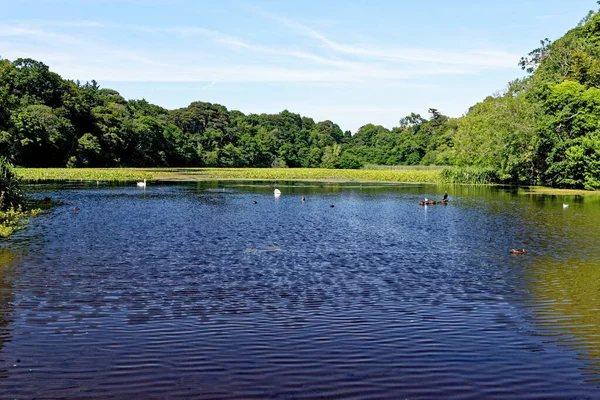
(13, 214)
(306, 174)
(194, 174)
(470, 175)
(82, 174)
(14, 219)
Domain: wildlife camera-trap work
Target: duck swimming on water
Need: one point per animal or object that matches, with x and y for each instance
(517, 251)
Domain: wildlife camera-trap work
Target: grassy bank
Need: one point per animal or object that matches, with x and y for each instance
(197, 174)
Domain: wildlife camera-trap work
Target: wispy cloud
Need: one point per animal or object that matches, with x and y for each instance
(87, 57)
(79, 49)
(213, 83)
(473, 58)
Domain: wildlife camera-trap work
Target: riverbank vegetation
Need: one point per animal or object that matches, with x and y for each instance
(193, 174)
(541, 130)
(13, 212)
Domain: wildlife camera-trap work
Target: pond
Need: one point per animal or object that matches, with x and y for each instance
(222, 290)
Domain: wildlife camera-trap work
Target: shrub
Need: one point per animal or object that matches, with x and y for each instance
(10, 188)
(14, 218)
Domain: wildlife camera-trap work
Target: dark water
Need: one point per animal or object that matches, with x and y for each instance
(193, 291)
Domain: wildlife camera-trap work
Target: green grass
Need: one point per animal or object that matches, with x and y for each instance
(195, 174)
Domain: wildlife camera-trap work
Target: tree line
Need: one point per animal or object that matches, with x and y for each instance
(47, 121)
(542, 129)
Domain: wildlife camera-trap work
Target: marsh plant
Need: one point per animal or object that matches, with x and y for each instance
(10, 188)
(13, 215)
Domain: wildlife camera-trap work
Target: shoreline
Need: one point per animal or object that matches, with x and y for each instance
(393, 177)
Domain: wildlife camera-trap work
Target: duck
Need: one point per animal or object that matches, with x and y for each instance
(445, 196)
(331, 206)
(255, 202)
(421, 203)
(303, 198)
(142, 184)
(517, 251)
(76, 209)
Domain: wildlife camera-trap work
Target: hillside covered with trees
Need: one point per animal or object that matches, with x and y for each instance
(542, 129)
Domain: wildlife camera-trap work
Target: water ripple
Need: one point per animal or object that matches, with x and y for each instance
(191, 293)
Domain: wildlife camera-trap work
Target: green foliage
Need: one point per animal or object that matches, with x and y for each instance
(349, 160)
(499, 133)
(13, 219)
(570, 132)
(12, 215)
(543, 129)
(11, 194)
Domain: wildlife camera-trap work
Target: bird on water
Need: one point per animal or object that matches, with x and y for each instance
(142, 184)
(518, 251)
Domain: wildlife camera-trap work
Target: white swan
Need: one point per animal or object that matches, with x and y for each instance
(565, 205)
(142, 184)
(277, 192)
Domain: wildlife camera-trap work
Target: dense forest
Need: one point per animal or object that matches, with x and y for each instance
(542, 129)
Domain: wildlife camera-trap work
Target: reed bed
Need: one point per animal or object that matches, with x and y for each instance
(82, 174)
(469, 175)
(195, 174)
(405, 167)
(297, 174)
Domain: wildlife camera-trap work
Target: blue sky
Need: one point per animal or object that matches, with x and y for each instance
(353, 62)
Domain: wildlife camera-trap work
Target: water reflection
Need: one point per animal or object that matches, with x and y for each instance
(7, 275)
(567, 304)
